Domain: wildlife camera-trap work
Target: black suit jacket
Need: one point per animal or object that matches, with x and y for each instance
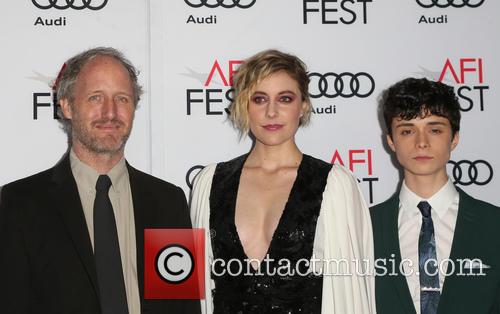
(46, 257)
(477, 235)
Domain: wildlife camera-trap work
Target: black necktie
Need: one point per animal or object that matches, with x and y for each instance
(429, 277)
(107, 252)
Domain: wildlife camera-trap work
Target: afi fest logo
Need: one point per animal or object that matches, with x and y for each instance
(44, 103)
(335, 11)
(468, 74)
(70, 4)
(217, 91)
(360, 162)
(449, 3)
(47, 100)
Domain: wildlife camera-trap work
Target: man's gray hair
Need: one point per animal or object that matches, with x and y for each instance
(65, 83)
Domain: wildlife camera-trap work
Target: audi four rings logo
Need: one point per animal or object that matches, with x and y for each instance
(466, 172)
(70, 4)
(243, 4)
(190, 176)
(345, 84)
(450, 3)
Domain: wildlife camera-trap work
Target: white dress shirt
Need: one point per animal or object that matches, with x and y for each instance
(444, 216)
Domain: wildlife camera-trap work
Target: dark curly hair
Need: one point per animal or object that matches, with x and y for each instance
(411, 98)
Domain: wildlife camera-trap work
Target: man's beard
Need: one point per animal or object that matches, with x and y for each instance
(108, 144)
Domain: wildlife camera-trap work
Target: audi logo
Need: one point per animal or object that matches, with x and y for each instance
(243, 4)
(449, 3)
(190, 175)
(345, 84)
(70, 4)
(466, 172)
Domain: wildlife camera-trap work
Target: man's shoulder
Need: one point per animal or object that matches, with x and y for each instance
(27, 193)
(151, 182)
(32, 182)
(478, 204)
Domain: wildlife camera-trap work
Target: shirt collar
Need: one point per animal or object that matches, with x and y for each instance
(87, 176)
(440, 202)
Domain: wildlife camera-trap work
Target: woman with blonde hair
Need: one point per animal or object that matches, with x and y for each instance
(277, 219)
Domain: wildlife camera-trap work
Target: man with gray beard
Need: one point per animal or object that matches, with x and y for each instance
(72, 237)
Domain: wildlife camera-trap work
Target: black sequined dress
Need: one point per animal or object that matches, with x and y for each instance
(258, 290)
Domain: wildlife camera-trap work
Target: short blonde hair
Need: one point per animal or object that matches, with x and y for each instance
(257, 68)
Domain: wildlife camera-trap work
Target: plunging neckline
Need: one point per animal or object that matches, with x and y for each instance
(241, 288)
(293, 191)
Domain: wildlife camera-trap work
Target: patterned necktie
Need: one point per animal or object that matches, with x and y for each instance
(107, 252)
(427, 262)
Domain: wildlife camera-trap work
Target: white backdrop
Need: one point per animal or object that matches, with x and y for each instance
(32, 55)
(187, 50)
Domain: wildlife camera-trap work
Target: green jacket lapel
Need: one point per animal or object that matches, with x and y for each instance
(462, 246)
(390, 236)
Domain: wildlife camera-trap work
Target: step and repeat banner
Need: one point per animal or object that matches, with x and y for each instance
(189, 50)
(38, 36)
(354, 50)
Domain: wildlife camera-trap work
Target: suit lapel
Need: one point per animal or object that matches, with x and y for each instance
(139, 200)
(391, 242)
(462, 244)
(70, 209)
